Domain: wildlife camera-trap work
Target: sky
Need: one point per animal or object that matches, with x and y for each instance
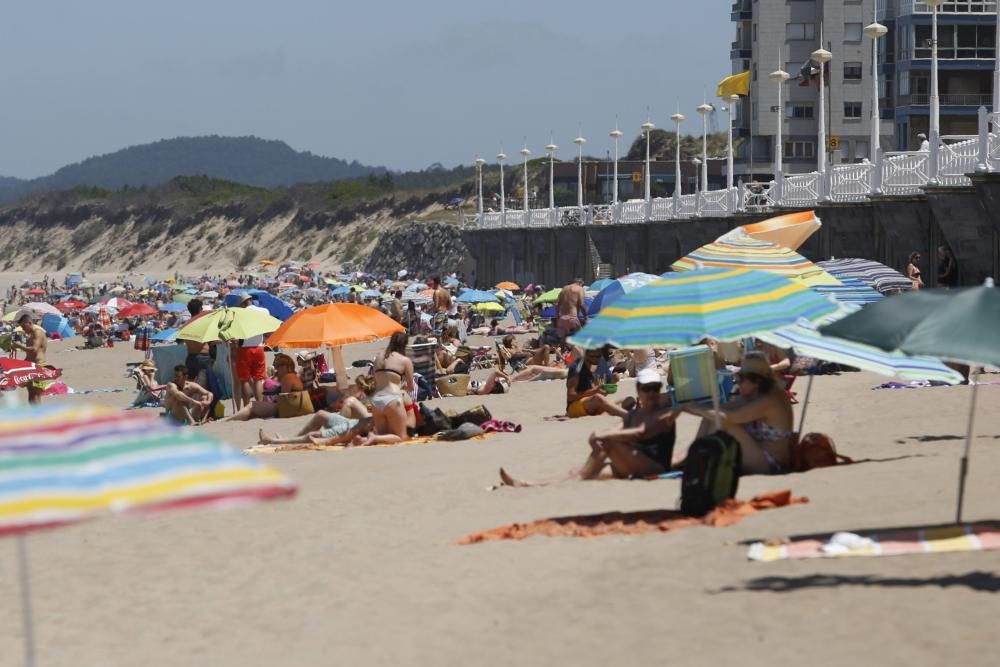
(397, 83)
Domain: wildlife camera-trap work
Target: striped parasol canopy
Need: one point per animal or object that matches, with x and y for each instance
(807, 341)
(877, 276)
(851, 290)
(64, 464)
(683, 308)
(790, 230)
(749, 253)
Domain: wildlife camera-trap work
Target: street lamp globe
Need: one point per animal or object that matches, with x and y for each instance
(616, 134)
(480, 162)
(779, 75)
(822, 56)
(525, 152)
(677, 118)
(501, 157)
(579, 141)
(875, 30)
(551, 148)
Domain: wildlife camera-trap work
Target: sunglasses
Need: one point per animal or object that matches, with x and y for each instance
(650, 387)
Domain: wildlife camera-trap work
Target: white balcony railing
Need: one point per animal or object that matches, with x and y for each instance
(851, 182)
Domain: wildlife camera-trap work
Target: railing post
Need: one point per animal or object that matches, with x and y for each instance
(877, 171)
(825, 184)
(648, 210)
(983, 163)
(778, 193)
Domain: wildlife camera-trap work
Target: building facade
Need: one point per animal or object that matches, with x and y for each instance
(967, 32)
(782, 34)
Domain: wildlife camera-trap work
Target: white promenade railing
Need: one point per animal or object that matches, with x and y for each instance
(893, 174)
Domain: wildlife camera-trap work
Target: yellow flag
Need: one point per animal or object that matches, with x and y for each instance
(737, 84)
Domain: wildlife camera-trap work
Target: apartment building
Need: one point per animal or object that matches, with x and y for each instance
(966, 59)
(782, 34)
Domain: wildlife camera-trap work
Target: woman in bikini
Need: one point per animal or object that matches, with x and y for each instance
(393, 377)
(761, 419)
(913, 270)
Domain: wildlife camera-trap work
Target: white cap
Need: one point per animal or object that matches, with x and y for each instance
(649, 376)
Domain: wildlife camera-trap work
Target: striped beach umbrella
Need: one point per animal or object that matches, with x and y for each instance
(616, 288)
(877, 276)
(683, 308)
(851, 290)
(749, 253)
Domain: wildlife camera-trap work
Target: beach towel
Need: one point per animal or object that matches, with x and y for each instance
(274, 449)
(983, 536)
(635, 523)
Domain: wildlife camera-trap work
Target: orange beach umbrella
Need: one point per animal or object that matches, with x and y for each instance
(508, 285)
(333, 324)
(790, 230)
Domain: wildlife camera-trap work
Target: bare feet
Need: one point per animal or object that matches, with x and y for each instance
(510, 481)
(264, 438)
(316, 440)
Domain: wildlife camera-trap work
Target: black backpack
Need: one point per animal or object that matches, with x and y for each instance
(711, 473)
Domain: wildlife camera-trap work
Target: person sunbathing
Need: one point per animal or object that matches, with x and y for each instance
(761, 418)
(642, 445)
(186, 402)
(284, 373)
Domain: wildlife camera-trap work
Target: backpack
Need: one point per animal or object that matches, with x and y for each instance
(816, 450)
(711, 473)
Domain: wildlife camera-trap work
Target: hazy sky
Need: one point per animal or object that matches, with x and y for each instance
(393, 82)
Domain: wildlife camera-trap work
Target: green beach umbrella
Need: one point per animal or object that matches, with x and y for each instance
(183, 298)
(549, 297)
(961, 325)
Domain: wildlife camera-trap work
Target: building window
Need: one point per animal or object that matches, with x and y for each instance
(852, 71)
(852, 32)
(755, 32)
(798, 110)
(861, 149)
(852, 109)
(960, 7)
(800, 31)
(801, 149)
(956, 42)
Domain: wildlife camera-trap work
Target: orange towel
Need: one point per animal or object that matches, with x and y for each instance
(635, 523)
(302, 447)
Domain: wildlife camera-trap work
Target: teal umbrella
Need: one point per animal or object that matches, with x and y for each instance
(960, 325)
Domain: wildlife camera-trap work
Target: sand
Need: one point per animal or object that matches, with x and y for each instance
(362, 567)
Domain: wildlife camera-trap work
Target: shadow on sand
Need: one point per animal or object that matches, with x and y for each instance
(984, 582)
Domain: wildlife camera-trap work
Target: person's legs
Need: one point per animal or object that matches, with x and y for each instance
(316, 422)
(34, 394)
(598, 404)
(626, 460)
(754, 460)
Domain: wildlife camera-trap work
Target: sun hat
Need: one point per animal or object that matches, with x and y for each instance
(756, 365)
(307, 355)
(921, 136)
(649, 376)
(246, 296)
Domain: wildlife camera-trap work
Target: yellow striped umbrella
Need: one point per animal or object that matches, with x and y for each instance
(748, 253)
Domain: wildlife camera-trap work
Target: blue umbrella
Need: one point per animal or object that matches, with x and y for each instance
(165, 336)
(173, 307)
(343, 289)
(266, 300)
(619, 288)
(598, 285)
(371, 294)
(451, 282)
(477, 296)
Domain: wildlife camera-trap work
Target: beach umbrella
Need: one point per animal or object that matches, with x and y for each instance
(960, 325)
(174, 307)
(790, 230)
(371, 294)
(508, 285)
(266, 262)
(877, 276)
(228, 324)
(41, 308)
(183, 298)
(137, 310)
(452, 282)
(416, 287)
(851, 290)
(617, 288)
(65, 464)
(549, 297)
(115, 303)
(748, 253)
(683, 308)
(598, 285)
(343, 289)
(36, 291)
(19, 372)
(265, 300)
(71, 304)
(165, 336)
(476, 296)
(117, 289)
(102, 316)
(333, 324)
(488, 307)
(210, 294)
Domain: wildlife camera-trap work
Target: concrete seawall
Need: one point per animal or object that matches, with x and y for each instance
(886, 229)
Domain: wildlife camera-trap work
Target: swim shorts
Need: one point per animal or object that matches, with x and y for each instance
(577, 409)
(568, 325)
(251, 364)
(337, 425)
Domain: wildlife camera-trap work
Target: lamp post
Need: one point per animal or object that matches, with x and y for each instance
(697, 188)
(996, 70)
(648, 128)
(733, 100)
(579, 141)
(704, 109)
(501, 156)
(615, 134)
(479, 188)
(779, 76)
(875, 31)
(821, 56)
(525, 153)
(934, 134)
(551, 148)
(678, 118)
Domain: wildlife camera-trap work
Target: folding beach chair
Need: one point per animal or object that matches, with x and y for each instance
(424, 368)
(695, 377)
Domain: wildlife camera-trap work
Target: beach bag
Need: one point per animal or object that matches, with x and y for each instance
(477, 415)
(431, 420)
(816, 450)
(453, 385)
(711, 473)
(294, 404)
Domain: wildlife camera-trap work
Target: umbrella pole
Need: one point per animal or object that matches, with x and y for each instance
(716, 402)
(29, 627)
(805, 405)
(964, 468)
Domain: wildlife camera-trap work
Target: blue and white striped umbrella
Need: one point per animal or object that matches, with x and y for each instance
(877, 276)
(852, 290)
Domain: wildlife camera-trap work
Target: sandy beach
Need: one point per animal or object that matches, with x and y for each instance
(362, 568)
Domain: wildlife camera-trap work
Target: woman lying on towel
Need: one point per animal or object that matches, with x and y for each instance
(291, 385)
(761, 418)
(642, 446)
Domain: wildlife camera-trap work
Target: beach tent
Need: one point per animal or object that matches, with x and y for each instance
(266, 300)
(55, 324)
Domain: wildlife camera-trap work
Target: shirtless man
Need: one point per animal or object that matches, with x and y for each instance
(571, 309)
(199, 359)
(441, 303)
(186, 402)
(34, 348)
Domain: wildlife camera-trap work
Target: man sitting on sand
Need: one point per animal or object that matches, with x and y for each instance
(571, 309)
(642, 446)
(186, 402)
(585, 394)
